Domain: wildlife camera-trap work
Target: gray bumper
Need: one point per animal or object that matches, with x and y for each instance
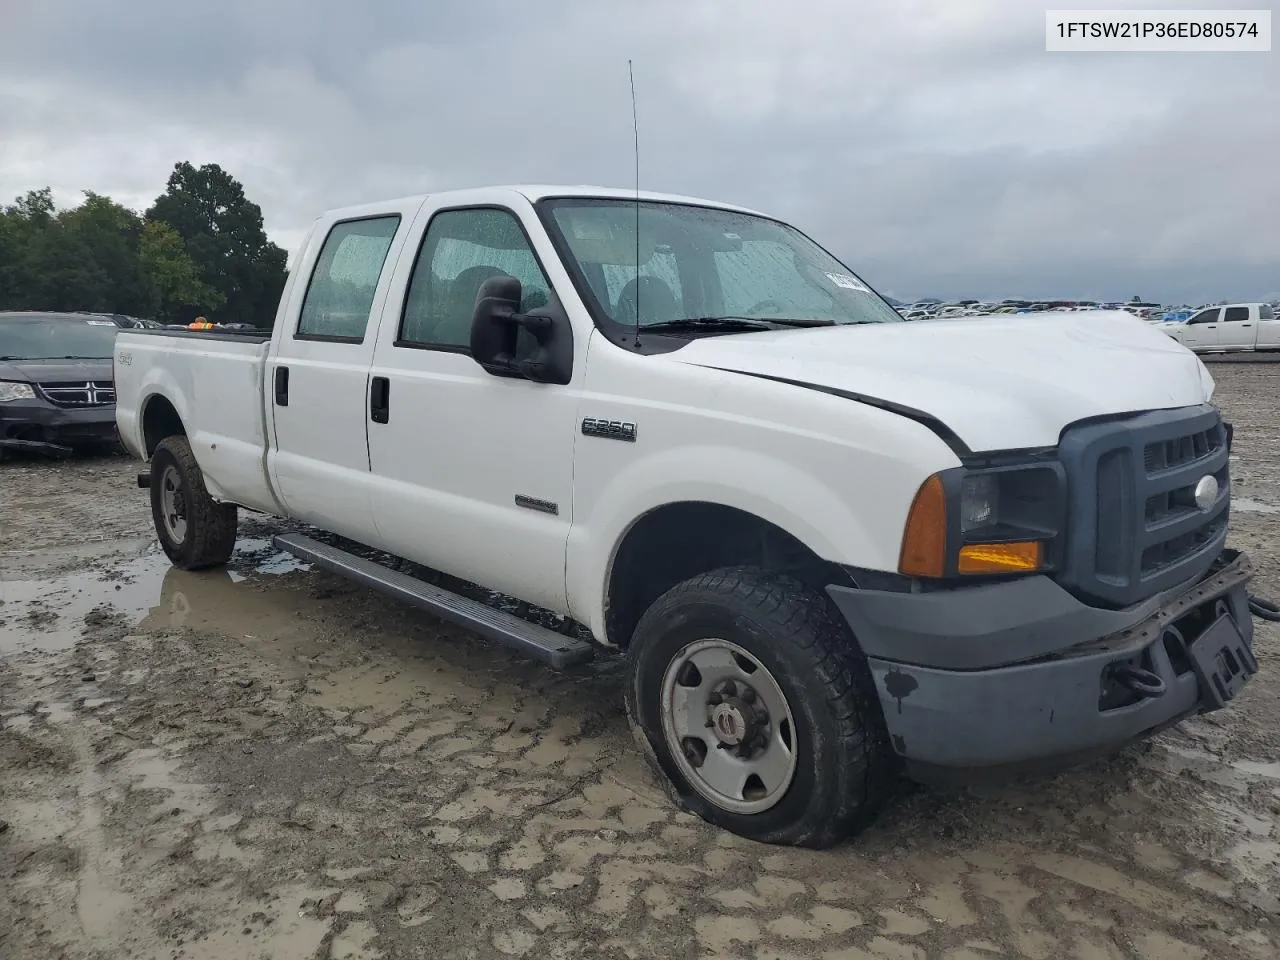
(1020, 674)
(42, 426)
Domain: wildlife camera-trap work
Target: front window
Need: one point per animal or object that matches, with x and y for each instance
(47, 338)
(701, 263)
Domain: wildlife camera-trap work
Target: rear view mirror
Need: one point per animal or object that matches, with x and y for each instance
(545, 351)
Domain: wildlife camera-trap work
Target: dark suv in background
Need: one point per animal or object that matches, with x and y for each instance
(56, 388)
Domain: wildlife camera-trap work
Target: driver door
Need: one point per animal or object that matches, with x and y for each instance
(473, 472)
(1201, 331)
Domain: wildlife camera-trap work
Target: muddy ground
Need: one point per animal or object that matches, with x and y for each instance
(266, 761)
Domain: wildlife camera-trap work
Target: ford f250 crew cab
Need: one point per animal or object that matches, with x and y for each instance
(834, 546)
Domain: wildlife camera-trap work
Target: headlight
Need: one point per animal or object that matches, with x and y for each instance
(979, 502)
(988, 520)
(16, 391)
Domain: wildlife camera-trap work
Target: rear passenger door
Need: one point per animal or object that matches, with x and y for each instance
(1238, 329)
(317, 376)
(1201, 332)
(1268, 328)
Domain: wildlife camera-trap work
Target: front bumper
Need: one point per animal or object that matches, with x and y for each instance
(1009, 677)
(43, 426)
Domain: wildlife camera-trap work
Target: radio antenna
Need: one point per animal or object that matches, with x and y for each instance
(635, 124)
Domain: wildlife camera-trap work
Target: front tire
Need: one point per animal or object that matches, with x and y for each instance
(195, 531)
(759, 708)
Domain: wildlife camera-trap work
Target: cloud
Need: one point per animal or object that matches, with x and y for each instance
(934, 145)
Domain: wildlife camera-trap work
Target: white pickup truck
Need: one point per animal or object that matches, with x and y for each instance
(834, 546)
(1234, 328)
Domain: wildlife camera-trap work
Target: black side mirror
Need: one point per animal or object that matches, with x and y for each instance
(495, 335)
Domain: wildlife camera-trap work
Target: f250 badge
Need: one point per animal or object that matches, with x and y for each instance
(609, 429)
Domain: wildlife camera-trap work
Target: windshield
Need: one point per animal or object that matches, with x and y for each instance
(44, 338)
(700, 262)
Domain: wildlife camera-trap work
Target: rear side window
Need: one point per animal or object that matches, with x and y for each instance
(340, 294)
(1235, 314)
(1266, 313)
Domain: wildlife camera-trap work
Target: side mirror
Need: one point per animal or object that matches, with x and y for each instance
(496, 342)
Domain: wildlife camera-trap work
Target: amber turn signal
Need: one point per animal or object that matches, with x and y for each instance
(1017, 557)
(924, 540)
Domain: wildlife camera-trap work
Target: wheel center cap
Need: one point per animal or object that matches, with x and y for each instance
(729, 724)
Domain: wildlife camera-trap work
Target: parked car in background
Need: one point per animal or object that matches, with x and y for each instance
(134, 323)
(56, 385)
(1231, 328)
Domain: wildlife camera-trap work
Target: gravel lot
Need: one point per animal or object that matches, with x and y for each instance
(266, 761)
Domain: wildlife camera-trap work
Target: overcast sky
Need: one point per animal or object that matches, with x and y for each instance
(935, 146)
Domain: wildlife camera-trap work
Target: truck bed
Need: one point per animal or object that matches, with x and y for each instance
(214, 383)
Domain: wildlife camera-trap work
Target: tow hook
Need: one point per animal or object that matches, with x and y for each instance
(1138, 680)
(1264, 609)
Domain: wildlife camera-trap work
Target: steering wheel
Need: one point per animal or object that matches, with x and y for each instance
(769, 306)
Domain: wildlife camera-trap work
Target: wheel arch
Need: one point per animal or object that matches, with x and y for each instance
(160, 419)
(676, 541)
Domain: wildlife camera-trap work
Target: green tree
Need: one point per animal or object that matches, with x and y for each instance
(23, 226)
(36, 207)
(224, 235)
(106, 235)
(173, 283)
(84, 258)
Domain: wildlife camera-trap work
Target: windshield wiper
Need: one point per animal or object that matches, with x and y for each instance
(801, 321)
(66, 356)
(708, 323)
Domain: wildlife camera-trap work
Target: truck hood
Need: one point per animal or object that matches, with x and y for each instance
(998, 383)
(55, 371)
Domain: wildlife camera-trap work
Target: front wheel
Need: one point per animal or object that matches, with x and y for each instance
(195, 531)
(759, 708)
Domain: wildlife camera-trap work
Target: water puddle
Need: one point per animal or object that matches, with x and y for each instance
(1246, 505)
(51, 613)
(265, 558)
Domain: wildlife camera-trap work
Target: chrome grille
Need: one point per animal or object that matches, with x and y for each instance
(80, 393)
(1136, 528)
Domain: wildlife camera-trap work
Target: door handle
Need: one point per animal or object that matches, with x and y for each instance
(380, 400)
(1244, 326)
(282, 386)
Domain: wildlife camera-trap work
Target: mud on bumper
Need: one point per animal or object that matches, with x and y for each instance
(961, 704)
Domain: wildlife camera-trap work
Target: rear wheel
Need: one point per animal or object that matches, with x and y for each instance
(759, 708)
(194, 530)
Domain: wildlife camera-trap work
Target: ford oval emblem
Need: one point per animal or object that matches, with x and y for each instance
(1206, 492)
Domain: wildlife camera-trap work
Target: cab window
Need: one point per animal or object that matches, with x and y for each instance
(460, 251)
(345, 278)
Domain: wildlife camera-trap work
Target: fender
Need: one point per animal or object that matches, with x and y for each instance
(826, 519)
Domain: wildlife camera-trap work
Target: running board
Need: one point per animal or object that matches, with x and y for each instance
(532, 640)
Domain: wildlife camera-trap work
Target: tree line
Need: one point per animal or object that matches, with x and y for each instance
(200, 250)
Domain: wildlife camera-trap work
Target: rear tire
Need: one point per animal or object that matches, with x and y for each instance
(743, 655)
(195, 531)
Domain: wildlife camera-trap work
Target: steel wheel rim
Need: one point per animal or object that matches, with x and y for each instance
(173, 504)
(747, 758)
